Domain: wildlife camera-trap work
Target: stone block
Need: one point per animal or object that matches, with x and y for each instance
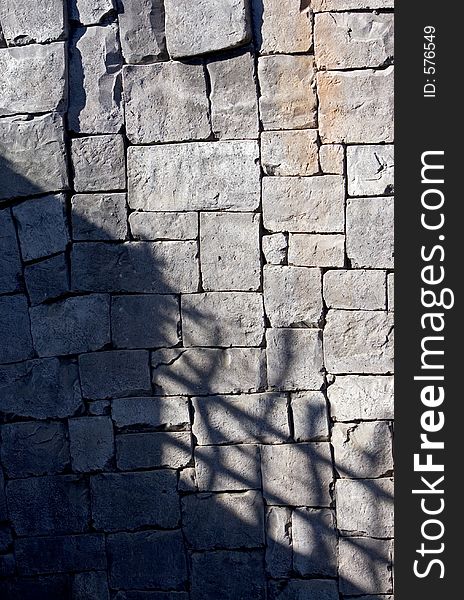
(152, 413)
(89, 12)
(90, 586)
(310, 416)
(356, 397)
(114, 374)
(315, 250)
(3, 505)
(47, 279)
(358, 342)
(16, 341)
(7, 565)
(356, 107)
(275, 248)
(49, 587)
(297, 589)
(280, 28)
(10, 261)
(172, 450)
(315, 547)
(222, 319)
(187, 480)
(148, 321)
(34, 448)
(297, 474)
(91, 443)
(279, 547)
(41, 22)
(290, 152)
(245, 419)
(292, 296)
(304, 205)
(370, 170)
(71, 326)
(355, 289)
(206, 26)
(95, 64)
(365, 566)
(391, 291)
(99, 217)
(141, 30)
(288, 96)
(98, 163)
(332, 159)
(164, 225)
(132, 500)
(332, 5)
(33, 156)
(6, 539)
(156, 596)
(227, 468)
(294, 359)
(196, 176)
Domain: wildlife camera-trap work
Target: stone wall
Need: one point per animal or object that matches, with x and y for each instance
(196, 309)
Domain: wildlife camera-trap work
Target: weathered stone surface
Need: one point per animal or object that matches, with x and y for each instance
(365, 507)
(280, 28)
(288, 97)
(358, 342)
(3, 505)
(290, 152)
(227, 468)
(40, 389)
(278, 541)
(34, 449)
(41, 505)
(187, 480)
(229, 251)
(310, 416)
(141, 30)
(6, 539)
(354, 397)
(314, 537)
(49, 587)
(176, 109)
(234, 99)
(147, 450)
(368, 246)
(157, 596)
(297, 474)
(331, 158)
(327, 5)
(356, 106)
(206, 26)
(7, 565)
(98, 163)
(255, 418)
(114, 374)
(33, 156)
(10, 262)
(89, 12)
(99, 408)
(311, 250)
(362, 449)
(16, 341)
(365, 566)
(132, 557)
(199, 176)
(353, 40)
(157, 267)
(241, 576)
(355, 289)
(304, 205)
(90, 586)
(60, 554)
(275, 248)
(47, 279)
(99, 217)
(391, 291)
(314, 589)
(222, 319)
(150, 412)
(91, 443)
(41, 22)
(71, 326)
(150, 321)
(292, 296)
(164, 226)
(370, 170)
(32, 79)
(132, 500)
(95, 77)
(294, 359)
(212, 521)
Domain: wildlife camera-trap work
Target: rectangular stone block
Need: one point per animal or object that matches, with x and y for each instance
(99, 217)
(48, 587)
(370, 170)
(290, 152)
(157, 596)
(365, 566)
(327, 5)
(332, 159)
(164, 225)
(151, 450)
(391, 291)
(16, 340)
(297, 589)
(42, 22)
(282, 28)
(244, 419)
(90, 12)
(91, 443)
(227, 468)
(98, 163)
(141, 30)
(294, 359)
(3, 505)
(315, 544)
(310, 417)
(10, 261)
(315, 250)
(354, 397)
(47, 280)
(137, 413)
(90, 586)
(304, 205)
(279, 547)
(197, 176)
(355, 289)
(275, 248)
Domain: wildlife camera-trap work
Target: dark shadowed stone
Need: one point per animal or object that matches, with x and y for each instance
(10, 262)
(34, 449)
(146, 450)
(147, 560)
(91, 443)
(279, 549)
(53, 587)
(99, 217)
(16, 341)
(153, 596)
(304, 590)
(90, 586)
(7, 565)
(150, 412)
(3, 507)
(314, 542)
(6, 539)
(47, 279)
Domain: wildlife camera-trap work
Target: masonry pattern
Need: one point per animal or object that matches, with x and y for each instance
(196, 309)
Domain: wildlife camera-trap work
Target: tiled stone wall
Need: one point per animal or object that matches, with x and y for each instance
(196, 307)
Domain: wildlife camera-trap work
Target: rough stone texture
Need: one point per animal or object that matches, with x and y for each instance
(39, 77)
(176, 107)
(290, 152)
(295, 589)
(91, 443)
(355, 290)
(98, 163)
(136, 413)
(238, 319)
(288, 97)
(10, 261)
(314, 539)
(304, 205)
(294, 359)
(391, 291)
(95, 75)
(331, 158)
(200, 176)
(41, 22)
(141, 30)
(227, 468)
(16, 342)
(327, 5)
(99, 217)
(89, 12)
(275, 248)
(370, 170)
(311, 250)
(147, 450)
(354, 397)
(163, 226)
(279, 547)
(32, 156)
(310, 416)
(234, 101)
(157, 596)
(280, 28)
(358, 342)
(348, 100)
(90, 586)
(187, 480)
(48, 587)
(191, 30)
(365, 566)
(47, 279)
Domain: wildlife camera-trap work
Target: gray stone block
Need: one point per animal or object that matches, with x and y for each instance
(370, 170)
(164, 226)
(47, 280)
(275, 248)
(365, 566)
(355, 289)
(90, 586)
(310, 416)
(141, 30)
(3, 505)
(314, 589)
(172, 450)
(10, 261)
(98, 163)
(314, 536)
(91, 443)
(356, 397)
(227, 468)
(7, 565)
(42, 22)
(156, 596)
(279, 547)
(280, 28)
(16, 341)
(187, 480)
(137, 413)
(315, 250)
(89, 12)
(49, 587)
(99, 217)
(290, 152)
(6, 539)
